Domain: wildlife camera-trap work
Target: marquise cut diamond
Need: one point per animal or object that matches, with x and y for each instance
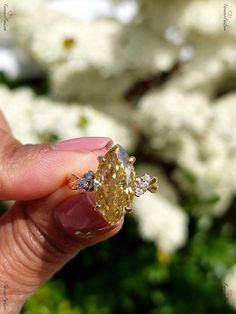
(116, 184)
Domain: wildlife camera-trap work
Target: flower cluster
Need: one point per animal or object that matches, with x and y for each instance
(37, 120)
(197, 135)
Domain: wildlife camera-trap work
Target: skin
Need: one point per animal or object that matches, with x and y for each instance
(32, 247)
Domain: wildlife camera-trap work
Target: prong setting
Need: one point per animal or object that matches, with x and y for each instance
(132, 159)
(128, 210)
(97, 207)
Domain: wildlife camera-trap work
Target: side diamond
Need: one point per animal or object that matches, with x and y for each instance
(145, 183)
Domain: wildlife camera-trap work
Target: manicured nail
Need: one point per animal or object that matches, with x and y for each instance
(84, 144)
(77, 215)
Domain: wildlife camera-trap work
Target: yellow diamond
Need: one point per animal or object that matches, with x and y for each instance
(115, 184)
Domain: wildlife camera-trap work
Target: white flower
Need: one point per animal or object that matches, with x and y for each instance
(160, 14)
(195, 16)
(223, 124)
(55, 46)
(224, 119)
(203, 73)
(17, 106)
(68, 82)
(162, 222)
(205, 17)
(206, 160)
(199, 138)
(27, 15)
(105, 54)
(104, 58)
(168, 115)
(34, 119)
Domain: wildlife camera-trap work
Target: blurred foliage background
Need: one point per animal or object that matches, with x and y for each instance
(159, 77)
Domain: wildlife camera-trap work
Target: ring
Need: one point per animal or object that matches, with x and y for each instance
(115, 184)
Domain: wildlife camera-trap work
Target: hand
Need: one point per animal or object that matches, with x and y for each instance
(37, 234)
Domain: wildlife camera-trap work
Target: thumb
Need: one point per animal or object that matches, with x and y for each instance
(38, 237)
(34, 171)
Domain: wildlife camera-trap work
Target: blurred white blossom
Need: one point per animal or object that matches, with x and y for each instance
(159, 217)
(88, 54)
(162, 222)
(195, 16)
(198, 137)
(36, 119)
(168, 115)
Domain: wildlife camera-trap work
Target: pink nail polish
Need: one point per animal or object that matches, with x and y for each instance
(84, 144)
(78, 215)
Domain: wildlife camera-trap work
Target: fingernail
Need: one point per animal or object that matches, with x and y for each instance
(77, 215)
(84, 144)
